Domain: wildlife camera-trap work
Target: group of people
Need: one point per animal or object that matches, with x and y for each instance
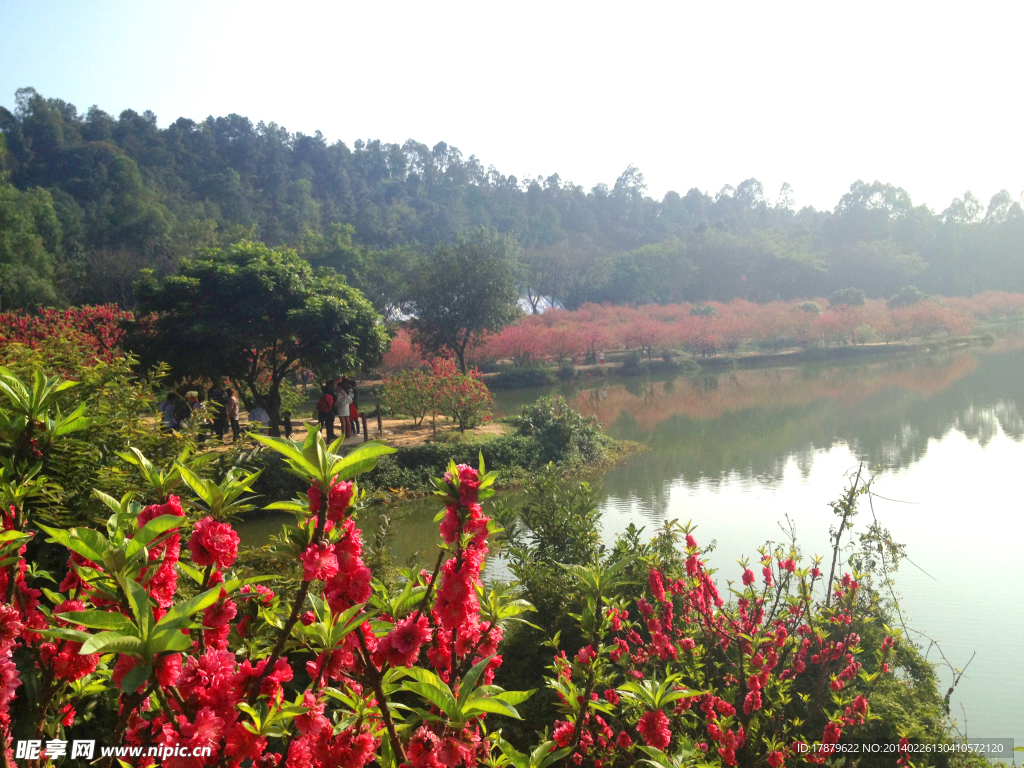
(220, 411)
(338, 399)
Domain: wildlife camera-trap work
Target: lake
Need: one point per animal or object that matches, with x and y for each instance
(740, 452)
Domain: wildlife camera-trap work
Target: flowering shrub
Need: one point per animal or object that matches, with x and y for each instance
(332, 667)
(463, 398)
(97, 329)
(411, 393)
(200, 656)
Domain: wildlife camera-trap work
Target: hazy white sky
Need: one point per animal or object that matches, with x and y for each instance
(696, 94)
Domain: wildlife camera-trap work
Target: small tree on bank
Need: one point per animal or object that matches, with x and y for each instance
(254, 315)
(464, 292)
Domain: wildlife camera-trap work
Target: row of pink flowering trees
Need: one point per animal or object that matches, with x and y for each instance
(204, 665)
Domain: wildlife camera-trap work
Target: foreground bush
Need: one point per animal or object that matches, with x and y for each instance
(155, 637)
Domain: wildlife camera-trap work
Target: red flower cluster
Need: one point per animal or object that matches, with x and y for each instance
(98, 330)
(653, 726)
(164, 553)
(401, 646)
(213, 543)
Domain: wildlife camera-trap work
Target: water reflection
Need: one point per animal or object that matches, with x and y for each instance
(739, 451)
(707, 427)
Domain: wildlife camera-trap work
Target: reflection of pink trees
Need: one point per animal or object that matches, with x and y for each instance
(752, 389)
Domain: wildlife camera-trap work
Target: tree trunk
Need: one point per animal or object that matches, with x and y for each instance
(273, 407)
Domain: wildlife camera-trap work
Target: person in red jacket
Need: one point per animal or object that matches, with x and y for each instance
(325, 411)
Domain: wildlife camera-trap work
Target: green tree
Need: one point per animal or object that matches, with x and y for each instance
(29, 237)
(847, 297)
(906, 296)
(381, 276)
(464, 292)
(255, 315)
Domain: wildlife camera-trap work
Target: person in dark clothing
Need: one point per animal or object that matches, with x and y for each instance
(325, 411)
(182, 410)
(286, 419)
(219, 398)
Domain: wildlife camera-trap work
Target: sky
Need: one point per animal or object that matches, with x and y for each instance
(925, 96)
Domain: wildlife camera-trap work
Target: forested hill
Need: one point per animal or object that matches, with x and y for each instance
(86, 200)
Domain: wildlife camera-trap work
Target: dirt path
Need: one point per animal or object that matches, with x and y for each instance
(398, 433)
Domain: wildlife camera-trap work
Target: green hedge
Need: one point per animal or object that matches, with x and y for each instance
(521, 378)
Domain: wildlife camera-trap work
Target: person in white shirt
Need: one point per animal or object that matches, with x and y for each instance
(342, 403)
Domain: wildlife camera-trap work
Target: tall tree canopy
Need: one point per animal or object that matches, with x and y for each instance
(130, 195)
(253, 315)
(464, 292)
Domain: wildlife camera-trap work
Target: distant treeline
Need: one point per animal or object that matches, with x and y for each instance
(87, 200)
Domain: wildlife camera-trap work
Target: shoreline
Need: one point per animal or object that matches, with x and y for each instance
(615, 368)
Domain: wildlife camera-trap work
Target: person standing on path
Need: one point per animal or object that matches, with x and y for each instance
(166, 408)
(325, 411)
(344, 401)
(231, 412)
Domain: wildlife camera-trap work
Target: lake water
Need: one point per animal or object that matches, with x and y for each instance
(738, 452)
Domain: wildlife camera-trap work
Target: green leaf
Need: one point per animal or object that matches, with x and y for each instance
(136, 677)
(64, 633)
(199, 486)
(152, 530)
(543, 755)
(193, 573)
(518, 759)
(515, 697)
(7, 536)
(138, 601)
(109, 642)
(469, 681)
(440, 698)
(101, 620)
(288, 506)
(290, 451)
(107, 499)
(57, 535)
(88, 543)
(491, 704)
(362, 459)
(199, 602)
(171, 640)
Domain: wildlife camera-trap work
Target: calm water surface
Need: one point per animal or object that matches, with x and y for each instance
(738, 452)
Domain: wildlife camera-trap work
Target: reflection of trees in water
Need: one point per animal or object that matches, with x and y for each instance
(983, 423)
(752, 423)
